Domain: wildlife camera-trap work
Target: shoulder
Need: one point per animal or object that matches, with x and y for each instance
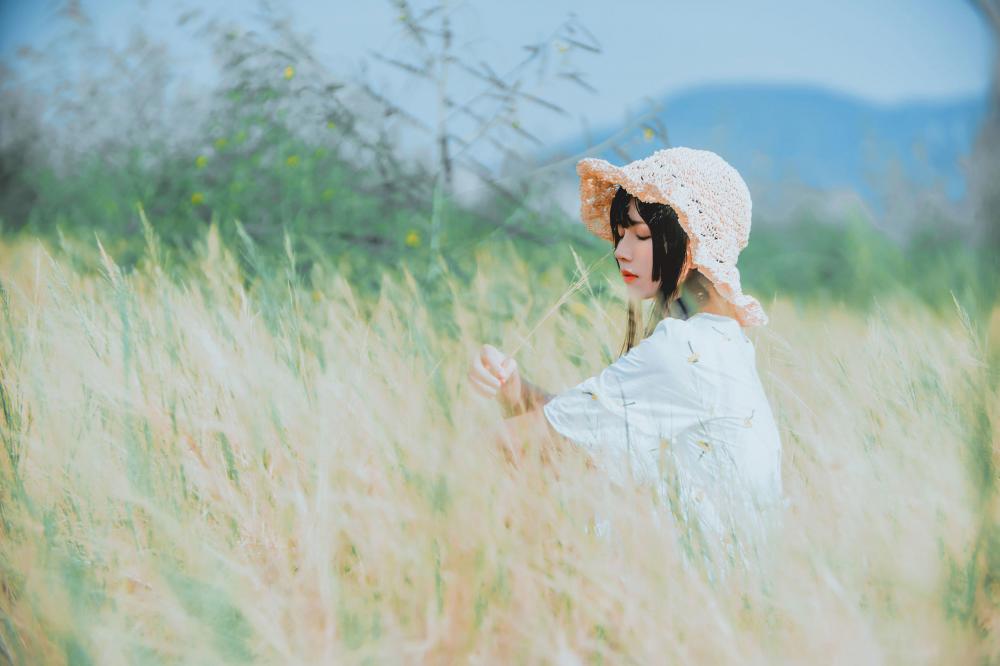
(705, 343)
(670, 342)
(701, 328)
(672, 331)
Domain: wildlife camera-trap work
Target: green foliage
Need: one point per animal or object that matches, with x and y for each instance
(331, 219)
(849, 261)
(287, 159)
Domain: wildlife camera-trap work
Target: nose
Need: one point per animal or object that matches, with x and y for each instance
(622, 252)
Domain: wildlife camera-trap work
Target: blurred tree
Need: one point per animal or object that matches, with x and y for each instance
(20, 137)
(984, 562)
(489, 112)
(984, 181)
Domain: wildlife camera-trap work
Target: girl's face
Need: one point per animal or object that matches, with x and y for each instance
(635, 257)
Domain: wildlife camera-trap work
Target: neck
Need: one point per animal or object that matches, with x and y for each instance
(726, 309)
(715, 304)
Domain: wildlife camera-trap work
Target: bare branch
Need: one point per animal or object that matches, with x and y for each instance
(392, 109)
(575, 77)
(544, 103)
(579, 44)
(573, 25)
(187, 16)
(516, 126)
(430, 12)
(412, 26)
(413, 69)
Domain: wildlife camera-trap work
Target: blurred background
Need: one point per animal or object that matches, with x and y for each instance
(384, 133)
(249, 249)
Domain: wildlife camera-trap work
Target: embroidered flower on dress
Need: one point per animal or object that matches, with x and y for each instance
(693, 358)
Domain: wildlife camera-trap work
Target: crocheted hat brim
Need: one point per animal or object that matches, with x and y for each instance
(598, 179)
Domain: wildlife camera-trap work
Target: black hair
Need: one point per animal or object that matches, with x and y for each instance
(670, 247)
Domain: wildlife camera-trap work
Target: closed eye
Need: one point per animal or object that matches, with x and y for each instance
(621, 233)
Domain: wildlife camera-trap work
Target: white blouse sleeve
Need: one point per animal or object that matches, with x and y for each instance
(644, 396)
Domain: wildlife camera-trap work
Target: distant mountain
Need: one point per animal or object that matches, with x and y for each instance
(785, 139)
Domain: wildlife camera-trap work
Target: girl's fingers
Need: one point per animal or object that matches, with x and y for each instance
(485, 386)
(484, 365)
(481, 388)
(484, 378)
(484, 375)
(492, 358)
(489, 372)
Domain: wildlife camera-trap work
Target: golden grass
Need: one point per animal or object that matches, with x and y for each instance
(197, 472)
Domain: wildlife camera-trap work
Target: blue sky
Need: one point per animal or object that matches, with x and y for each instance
(888, 52)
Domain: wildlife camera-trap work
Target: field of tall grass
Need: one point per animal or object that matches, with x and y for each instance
(200, 465)
(253, 442)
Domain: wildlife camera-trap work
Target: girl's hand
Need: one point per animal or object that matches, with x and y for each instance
(493, 374)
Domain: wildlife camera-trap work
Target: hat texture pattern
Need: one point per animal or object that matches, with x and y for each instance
(711, 200)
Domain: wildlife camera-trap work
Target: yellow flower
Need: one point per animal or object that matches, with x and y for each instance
(316, 296)
(413, 238)
(647, 133)
(292, 160)
(201, 161)
(197, 198)
(328, 194)
(578, 309)
(289, 72)
(221, 142)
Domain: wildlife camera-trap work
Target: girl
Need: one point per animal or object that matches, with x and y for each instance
(689, 390)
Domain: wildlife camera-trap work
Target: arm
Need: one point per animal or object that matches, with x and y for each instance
(523, 420)
(531, 398)
(519, 429)
(514, 434)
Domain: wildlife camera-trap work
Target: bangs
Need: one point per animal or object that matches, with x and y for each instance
(618, 215)
(651, 213)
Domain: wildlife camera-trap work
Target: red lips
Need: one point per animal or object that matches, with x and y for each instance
(626, 273)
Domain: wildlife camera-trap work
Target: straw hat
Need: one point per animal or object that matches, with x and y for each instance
(712, 203)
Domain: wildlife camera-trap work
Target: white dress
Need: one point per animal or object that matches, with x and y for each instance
(685, 409)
